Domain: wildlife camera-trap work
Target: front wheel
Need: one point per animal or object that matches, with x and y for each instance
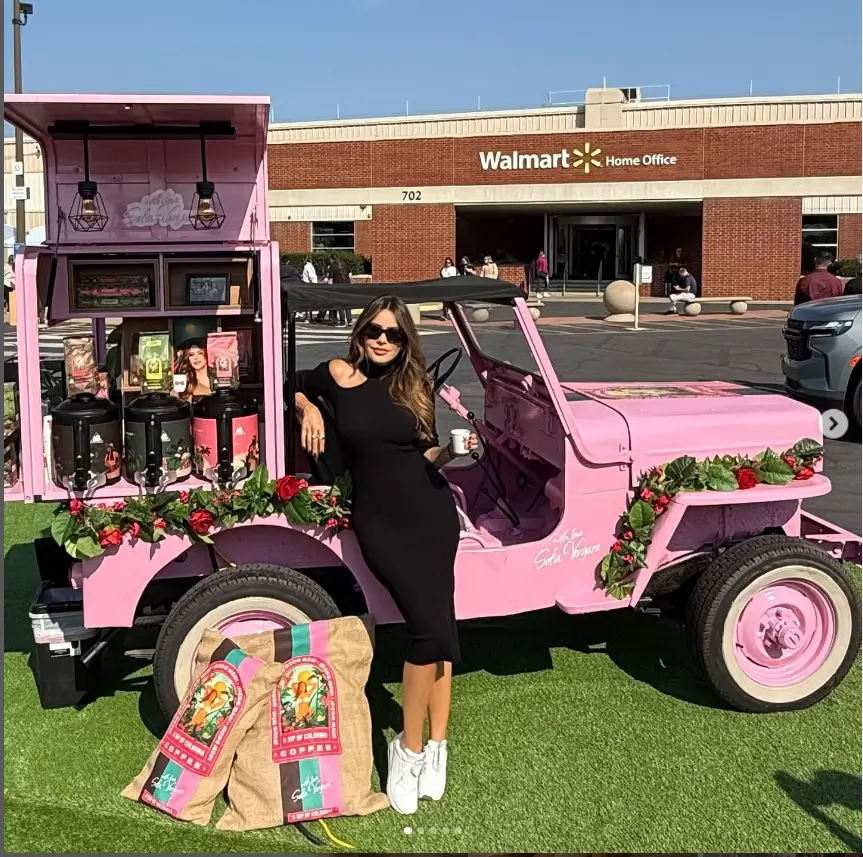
(774, 623)
(248, 599)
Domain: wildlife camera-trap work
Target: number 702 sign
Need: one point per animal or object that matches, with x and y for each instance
(412, 196)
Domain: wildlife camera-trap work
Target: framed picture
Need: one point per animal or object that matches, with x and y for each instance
(211, 290)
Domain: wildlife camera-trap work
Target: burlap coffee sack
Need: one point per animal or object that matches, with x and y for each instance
(309, 753)
(190, 767)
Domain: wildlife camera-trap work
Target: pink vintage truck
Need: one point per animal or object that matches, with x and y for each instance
(585, 497)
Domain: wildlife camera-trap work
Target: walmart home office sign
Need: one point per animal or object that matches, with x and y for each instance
(583, 159)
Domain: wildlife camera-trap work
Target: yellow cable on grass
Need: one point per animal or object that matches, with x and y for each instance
(333, 838)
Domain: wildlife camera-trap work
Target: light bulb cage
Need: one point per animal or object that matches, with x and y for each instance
(87, 213)
(206, 190)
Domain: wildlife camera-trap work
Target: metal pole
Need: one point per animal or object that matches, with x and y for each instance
(637, 279)
(20, 213)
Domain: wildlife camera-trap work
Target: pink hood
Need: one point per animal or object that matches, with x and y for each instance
(659, 422)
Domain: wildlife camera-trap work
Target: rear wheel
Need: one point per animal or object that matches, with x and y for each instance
(248, 599)
(774, 623)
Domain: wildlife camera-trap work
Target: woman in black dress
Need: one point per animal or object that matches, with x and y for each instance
(405, 519)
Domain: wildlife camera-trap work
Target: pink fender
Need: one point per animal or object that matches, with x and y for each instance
(114, 583)
(696, 518)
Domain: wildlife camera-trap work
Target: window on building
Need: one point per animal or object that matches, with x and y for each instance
(333, 236)
(820, 235)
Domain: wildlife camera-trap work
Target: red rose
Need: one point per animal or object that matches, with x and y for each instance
(134, 531)
(664, 500)
(615, 548)
(317, 496)
(184, 496)
(646, 494)
(345, 523)
(628, 535)
(804, 473)
(224, 497)
(332, 523)
(746, 478)
(76, 507)
(119, 506)
(628, 558)
(289, 486)
(201, 521)
(790, 461)
(334, 501)
(159, 524)
(110, 537)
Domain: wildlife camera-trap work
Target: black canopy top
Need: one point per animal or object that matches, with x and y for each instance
(298, 296)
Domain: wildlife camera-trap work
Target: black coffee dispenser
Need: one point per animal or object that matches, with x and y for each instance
(86, 442)
(158, 440)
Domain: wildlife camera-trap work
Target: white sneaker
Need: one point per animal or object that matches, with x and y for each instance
(403, 774)
(432, 780)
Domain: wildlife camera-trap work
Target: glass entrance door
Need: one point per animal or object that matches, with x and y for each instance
(600, 251)
(593, 253)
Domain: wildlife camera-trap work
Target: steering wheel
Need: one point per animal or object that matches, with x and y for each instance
(434, 368)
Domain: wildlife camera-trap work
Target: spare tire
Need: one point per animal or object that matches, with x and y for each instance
(234, 601)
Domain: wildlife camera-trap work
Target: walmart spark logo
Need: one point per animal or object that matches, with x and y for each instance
(587, 158)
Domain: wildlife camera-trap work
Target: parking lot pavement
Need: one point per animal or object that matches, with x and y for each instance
(747, 352)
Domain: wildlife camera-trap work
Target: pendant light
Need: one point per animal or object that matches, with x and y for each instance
(206, 210)
(88, 210)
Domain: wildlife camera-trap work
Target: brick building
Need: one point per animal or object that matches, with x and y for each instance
(748, 187)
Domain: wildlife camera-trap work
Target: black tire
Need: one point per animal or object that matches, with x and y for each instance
(733, 572)
(257, 580)
(854, 410)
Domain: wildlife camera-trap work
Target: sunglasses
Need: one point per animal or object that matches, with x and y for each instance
(393, 335)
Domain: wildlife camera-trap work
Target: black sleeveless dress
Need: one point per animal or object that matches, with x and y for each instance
(404, 512)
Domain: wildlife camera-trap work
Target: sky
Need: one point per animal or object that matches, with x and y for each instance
(319, 59)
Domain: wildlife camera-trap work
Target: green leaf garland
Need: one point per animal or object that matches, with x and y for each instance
(88, 530)
(658, 487)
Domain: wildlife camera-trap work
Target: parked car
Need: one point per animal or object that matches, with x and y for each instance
(822, 361)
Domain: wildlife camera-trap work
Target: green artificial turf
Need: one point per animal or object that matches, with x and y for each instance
(568, 734)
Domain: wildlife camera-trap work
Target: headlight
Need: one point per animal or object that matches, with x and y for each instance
(826, 328)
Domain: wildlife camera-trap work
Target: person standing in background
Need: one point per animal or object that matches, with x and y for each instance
(542, 275)
(672, 271)
(310, 275)
(448, 270)
(338, 274)
(467, 268)
(8, 281)
(489, 269)
(819, 284)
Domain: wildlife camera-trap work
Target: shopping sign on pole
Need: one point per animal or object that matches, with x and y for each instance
(20, 192)
(646, 273)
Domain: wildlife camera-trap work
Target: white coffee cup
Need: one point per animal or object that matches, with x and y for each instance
(458, 441)
(180, 383)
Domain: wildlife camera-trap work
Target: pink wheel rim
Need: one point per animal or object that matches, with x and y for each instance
(785, 633)
(252, 622)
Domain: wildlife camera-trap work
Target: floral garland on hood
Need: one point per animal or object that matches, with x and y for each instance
(88, 530)
(658, 487)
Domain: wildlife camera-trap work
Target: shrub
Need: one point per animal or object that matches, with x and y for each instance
(846, 267)
(354, 262)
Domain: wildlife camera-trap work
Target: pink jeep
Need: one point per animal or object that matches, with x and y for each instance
(582, 498)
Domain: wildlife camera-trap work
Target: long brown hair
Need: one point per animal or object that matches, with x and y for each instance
(409, 382)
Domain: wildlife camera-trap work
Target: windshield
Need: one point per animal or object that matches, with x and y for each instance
(499, 335)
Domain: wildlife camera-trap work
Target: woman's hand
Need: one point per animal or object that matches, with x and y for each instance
(472, 442)
(312, 432)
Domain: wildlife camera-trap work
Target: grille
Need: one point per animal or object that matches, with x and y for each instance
(796, 341)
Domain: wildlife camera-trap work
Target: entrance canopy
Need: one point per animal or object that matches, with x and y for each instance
(302, 297)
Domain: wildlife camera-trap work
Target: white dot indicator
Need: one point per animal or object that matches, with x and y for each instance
(409, 831)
